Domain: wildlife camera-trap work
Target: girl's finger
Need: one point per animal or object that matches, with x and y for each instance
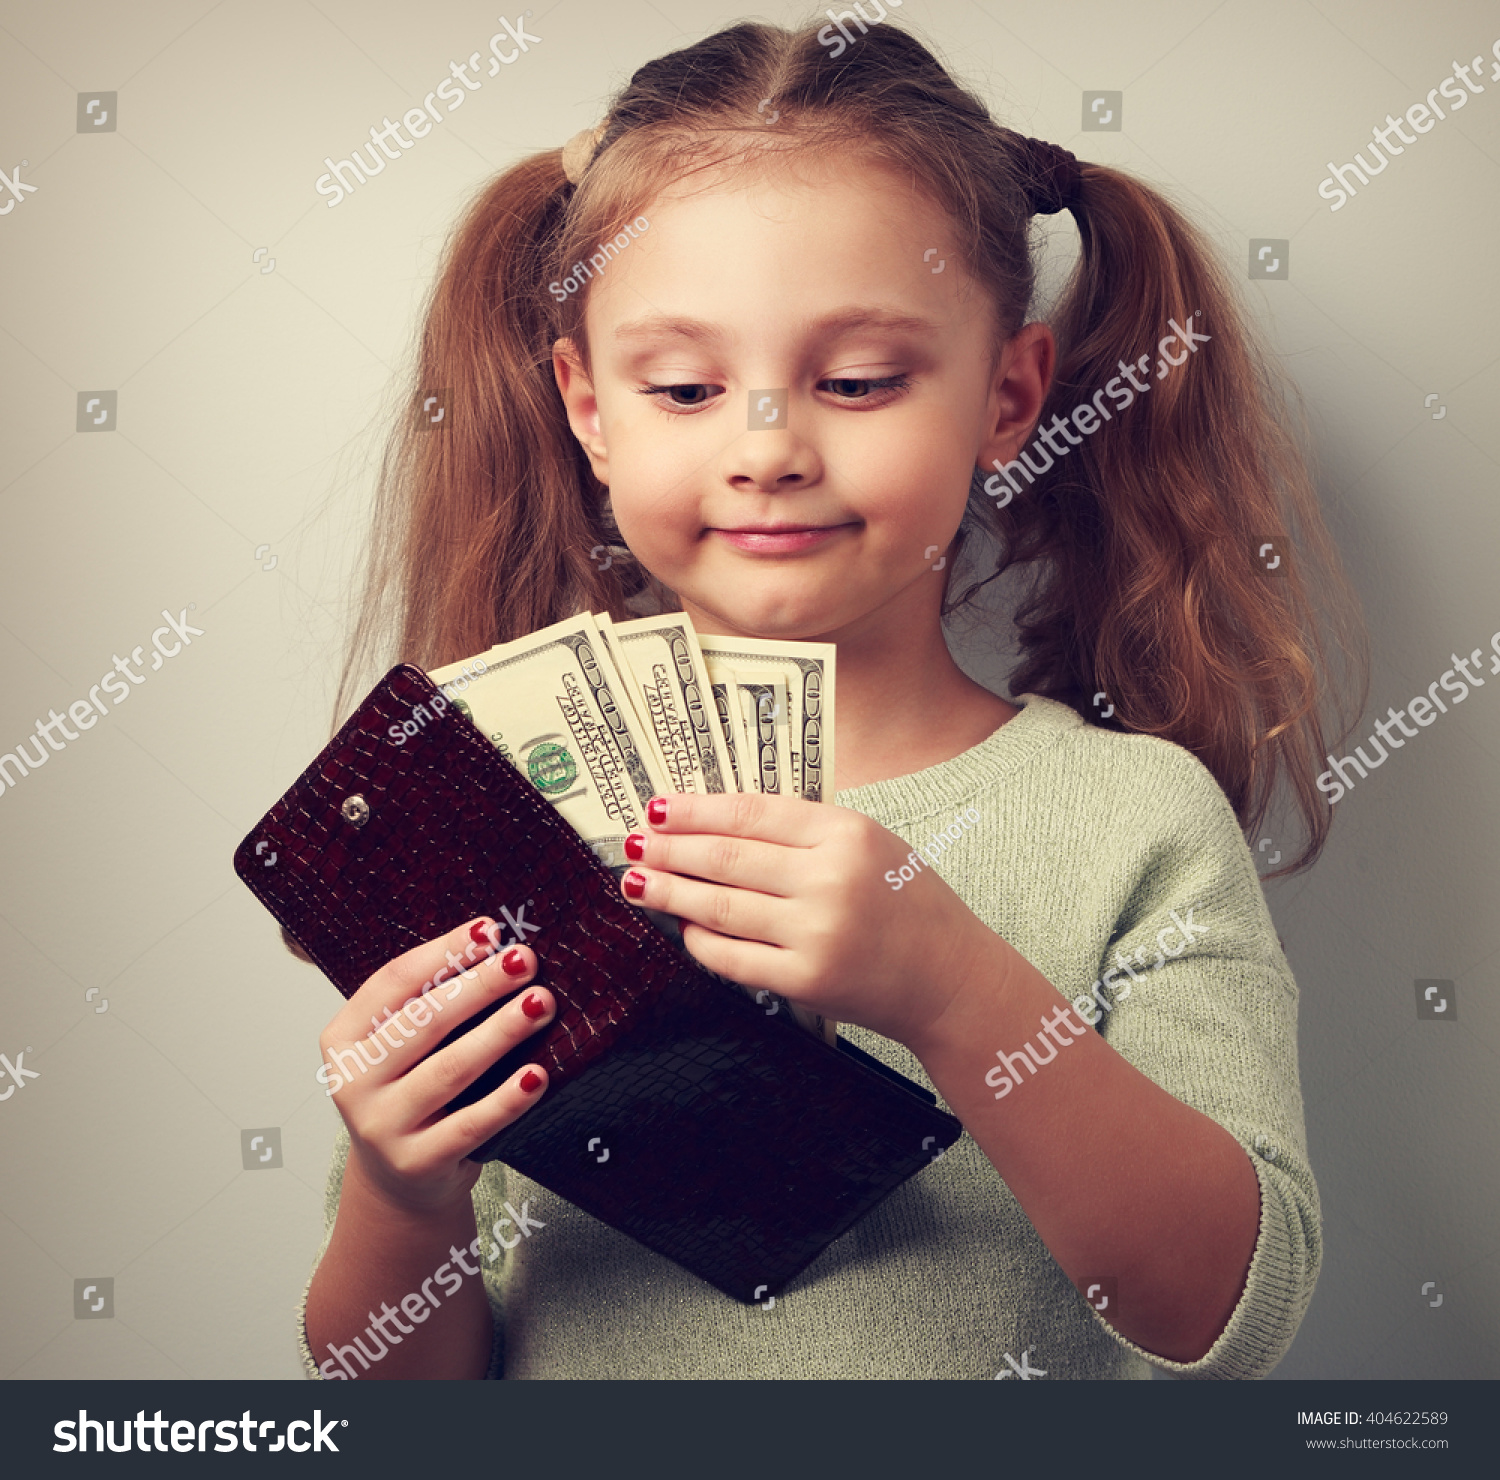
(738, 912)
(790, 821)
(465, 975)
(452, 1137)
(419, 971)
(746, 863)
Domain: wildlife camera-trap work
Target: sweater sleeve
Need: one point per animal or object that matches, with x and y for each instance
(1210, 1016)
(488, 1194)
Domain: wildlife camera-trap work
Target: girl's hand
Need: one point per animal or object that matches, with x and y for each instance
(391, 1087)
(791, 895)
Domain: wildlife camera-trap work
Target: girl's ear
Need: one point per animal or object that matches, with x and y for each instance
(577, 392)
(1017, 393)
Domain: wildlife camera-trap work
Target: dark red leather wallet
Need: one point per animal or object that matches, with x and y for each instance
(740, 1145)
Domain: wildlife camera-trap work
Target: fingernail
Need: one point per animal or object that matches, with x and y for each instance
(479, 932)
(532, 1005)
(530, 1080)
(635, 885)
(635, 847)
(513, 963)
(656, 811)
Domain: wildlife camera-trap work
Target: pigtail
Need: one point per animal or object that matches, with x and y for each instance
(1159, 592)
(488, 522)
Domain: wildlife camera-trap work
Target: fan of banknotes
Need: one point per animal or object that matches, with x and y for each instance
(600, 716)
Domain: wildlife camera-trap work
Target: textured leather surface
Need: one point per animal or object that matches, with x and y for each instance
(739, 1144)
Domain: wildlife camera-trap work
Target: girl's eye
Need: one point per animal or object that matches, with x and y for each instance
(841, 387)
(658, 390)
(846, 388)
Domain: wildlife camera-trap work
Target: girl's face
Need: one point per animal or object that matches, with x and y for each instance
(791, 390)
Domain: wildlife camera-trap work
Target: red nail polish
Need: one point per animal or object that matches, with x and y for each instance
(479, 932)
(533, 1006)
(635, 847)
(656, 811)
(513, 963)
(530, 1080)
(635, 885)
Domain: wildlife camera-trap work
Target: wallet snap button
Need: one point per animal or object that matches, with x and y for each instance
(356, 810)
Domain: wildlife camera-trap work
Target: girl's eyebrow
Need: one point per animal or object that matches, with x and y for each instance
(658, 327)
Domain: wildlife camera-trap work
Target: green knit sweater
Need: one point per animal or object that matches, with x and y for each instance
(1089, 845)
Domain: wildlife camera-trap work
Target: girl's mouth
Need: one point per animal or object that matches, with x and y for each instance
(785, 539)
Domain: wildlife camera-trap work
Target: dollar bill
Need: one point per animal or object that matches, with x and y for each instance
(766, 713)
(671, 686)
(639, 719)
(808, 671)
(599, 730)
(553, 704)
(727, 711)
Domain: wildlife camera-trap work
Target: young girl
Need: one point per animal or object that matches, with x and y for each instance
(847, 233)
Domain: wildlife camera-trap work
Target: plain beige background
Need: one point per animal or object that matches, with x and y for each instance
(251, 404)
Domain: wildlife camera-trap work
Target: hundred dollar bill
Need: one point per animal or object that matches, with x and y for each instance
(640, 722)
(726, 707)
(807, 668)
(764, 708)
(671, 686)
(552, 704)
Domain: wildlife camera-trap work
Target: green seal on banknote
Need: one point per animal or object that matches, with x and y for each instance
(551, 768)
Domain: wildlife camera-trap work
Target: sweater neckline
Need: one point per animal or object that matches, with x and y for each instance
(1039, 725)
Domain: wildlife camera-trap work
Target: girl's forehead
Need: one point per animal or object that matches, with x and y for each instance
(829, 182)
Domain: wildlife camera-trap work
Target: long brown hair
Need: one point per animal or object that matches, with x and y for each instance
(1145, 583)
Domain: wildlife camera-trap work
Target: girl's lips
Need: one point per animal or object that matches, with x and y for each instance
(778, 542)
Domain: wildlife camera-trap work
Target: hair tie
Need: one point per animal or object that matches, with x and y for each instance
(1054, 178)
(579, 150)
